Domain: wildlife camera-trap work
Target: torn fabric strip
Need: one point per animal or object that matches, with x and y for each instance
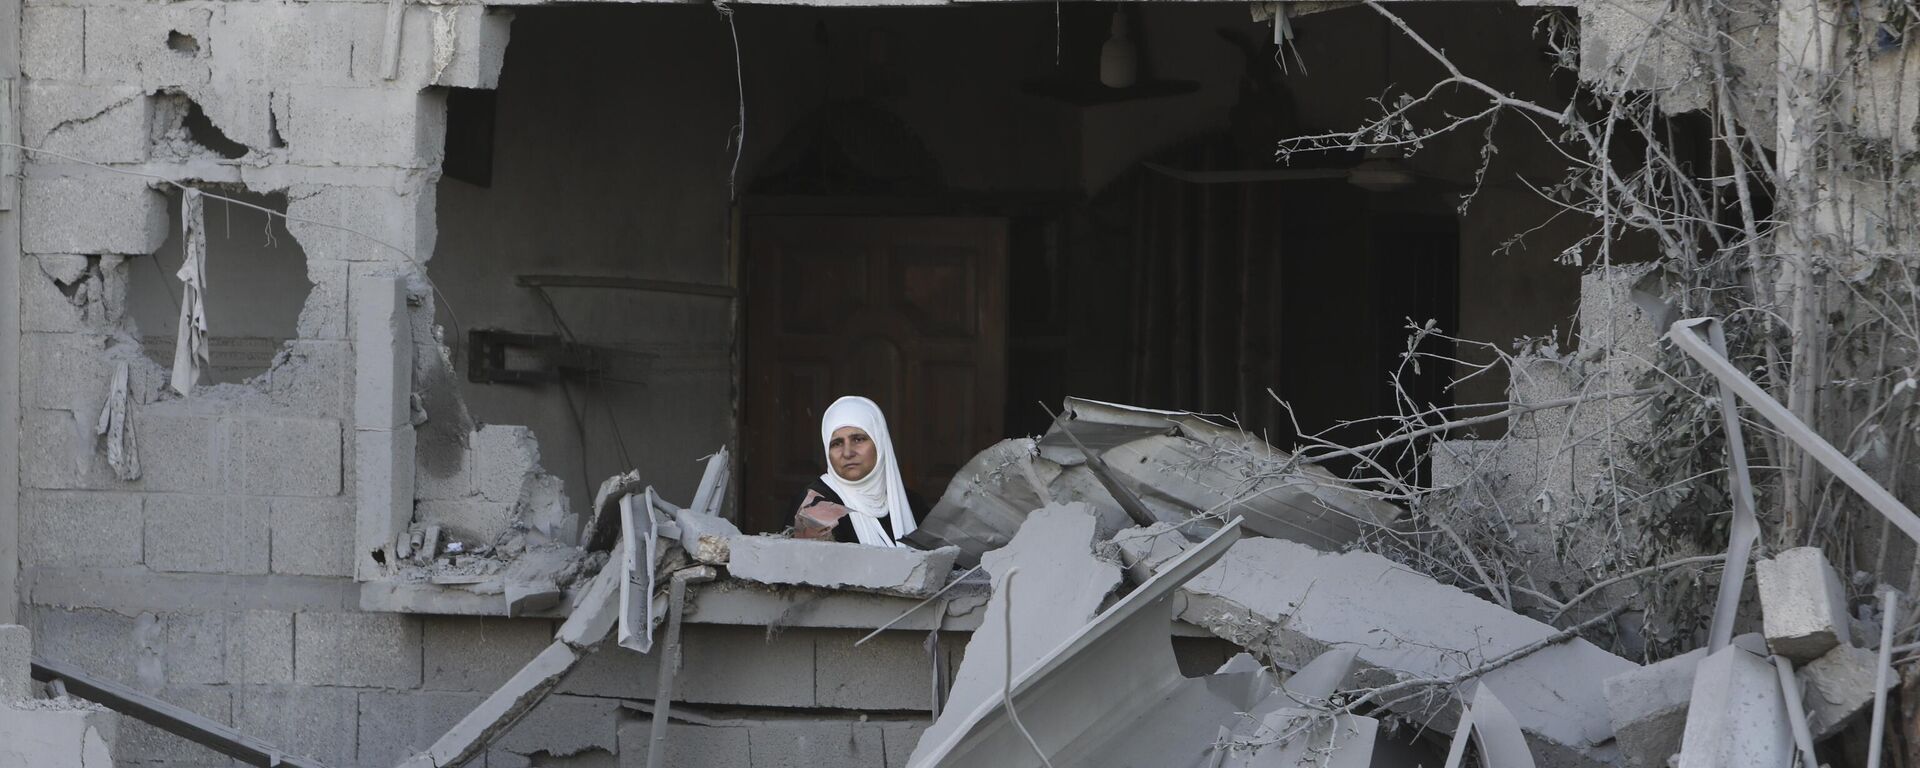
(190, 339)
(117, 426)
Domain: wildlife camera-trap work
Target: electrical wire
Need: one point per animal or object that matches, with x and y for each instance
(1006, 681)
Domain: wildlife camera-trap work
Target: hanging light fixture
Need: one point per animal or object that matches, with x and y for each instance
(1119, 60)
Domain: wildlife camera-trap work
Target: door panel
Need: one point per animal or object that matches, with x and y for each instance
(908, 311)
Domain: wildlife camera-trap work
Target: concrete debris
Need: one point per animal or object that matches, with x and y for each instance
(1143, 550)
(1838, 687)
(116, 425)
(602, 530)
(191, 354)
(711, 499)
(706, 538)
(1178, 466)
(1066, 586)
(1493, 730)
(640, 558)
(1737, 717)
(597, 607)
(499, 710)
(1804, 607)
(1287, 602)
(80, 736)
(834, 565)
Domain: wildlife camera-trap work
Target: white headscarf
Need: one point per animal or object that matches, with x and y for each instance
(880, 494)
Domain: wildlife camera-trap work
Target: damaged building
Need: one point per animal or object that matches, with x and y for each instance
(424, 384)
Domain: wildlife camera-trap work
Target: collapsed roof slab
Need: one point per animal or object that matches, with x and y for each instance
(1292, 602)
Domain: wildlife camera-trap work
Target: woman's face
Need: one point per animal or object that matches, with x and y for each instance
(852, 453)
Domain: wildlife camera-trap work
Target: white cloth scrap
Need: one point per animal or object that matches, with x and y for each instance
(116, 424)
(880, 494)
(190, 355)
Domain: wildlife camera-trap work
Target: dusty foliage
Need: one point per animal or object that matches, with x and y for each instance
(1796, 231)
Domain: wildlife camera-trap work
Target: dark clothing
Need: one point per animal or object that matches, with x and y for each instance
(843, 530)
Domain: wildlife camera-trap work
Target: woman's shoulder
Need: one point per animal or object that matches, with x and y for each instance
(820, 488)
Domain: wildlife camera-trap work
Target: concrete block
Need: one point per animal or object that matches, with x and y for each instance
(800, 744)
(1803, 605)
(383, 488)
(399, 217)
(1648, 707)
(260, 647)
(468, 520)
(1838, 686)
(890, 672)
(52, 42)
(63, 457)
(892, 570)
(395, 725)
(298, 44)
(382, 352)
(480, 653)
(357, 649)
(99, 642)
(312, 378)
(207, 534)
(708, 539)
(16, 657)
(59, 738)
(102, 124)
(899, 737)
(55, 297)
(452, 479)
(144, 44)
(723, 665)
(503, 456)
(1738, 716)
(140, 741)
(70, 370)
(284, 457)
(1061, 587)
(239, 106)
(318, 723)
(363, 127)
(312, 537)
(324, 316)
(563, 725)
(196, 648)
(1289, 602)
(179, 452)
(80, 529)
(688, 745)
(91, 214)
(502, 707)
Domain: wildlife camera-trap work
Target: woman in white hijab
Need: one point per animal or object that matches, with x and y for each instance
(861, 497)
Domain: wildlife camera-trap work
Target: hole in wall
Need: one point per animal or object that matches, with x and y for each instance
(256, 286)
(274, 139)
(182, 129)
(181, 42)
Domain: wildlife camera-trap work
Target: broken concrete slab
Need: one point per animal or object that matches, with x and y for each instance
(1738, 715)
(1289, 602)
(1838, 687)
(1144, 549)
(596, 608)
(500, 709)
(1803, 606)
(889, 570)
(1065, 586)
(1649, 708)
(987, 500)
(707, 538)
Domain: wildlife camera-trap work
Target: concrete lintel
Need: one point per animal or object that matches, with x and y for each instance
(437, 599)
(132, 591)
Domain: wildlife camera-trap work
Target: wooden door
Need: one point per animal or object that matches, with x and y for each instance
(910, 312)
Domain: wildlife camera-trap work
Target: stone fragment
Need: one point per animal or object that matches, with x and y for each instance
(1738, 715)
(1061, 585)
(1837, 687)
(708, 539)
(1803, 607)
(597, 607)
(1144, 549)
(892, 570)
(1289, 602)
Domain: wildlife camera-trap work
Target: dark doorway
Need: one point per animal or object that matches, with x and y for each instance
(908, 311)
